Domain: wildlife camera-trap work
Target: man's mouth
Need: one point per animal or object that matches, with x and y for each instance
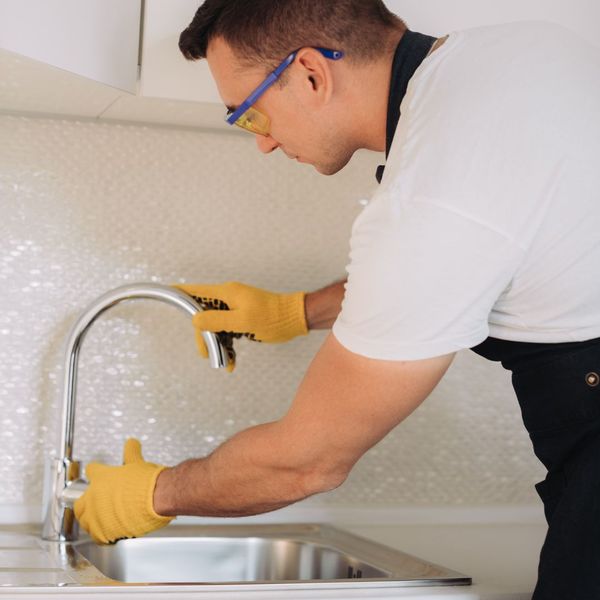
(293, 156)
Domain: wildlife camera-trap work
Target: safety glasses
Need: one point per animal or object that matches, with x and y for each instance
(249, 118)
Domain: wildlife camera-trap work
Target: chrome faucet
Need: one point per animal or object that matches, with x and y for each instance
(63, 482)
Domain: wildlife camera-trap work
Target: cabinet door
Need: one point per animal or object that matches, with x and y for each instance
(165, 72)
(98, 39)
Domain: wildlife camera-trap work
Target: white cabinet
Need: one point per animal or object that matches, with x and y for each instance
(98, 39)
(165, 72)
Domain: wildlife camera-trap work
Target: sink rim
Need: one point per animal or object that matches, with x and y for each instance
(378, 556)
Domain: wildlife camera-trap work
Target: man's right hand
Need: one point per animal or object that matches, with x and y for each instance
(234, 310)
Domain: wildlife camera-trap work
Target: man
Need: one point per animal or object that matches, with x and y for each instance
(484, 234)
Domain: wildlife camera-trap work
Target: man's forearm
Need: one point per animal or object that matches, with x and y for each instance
(323, 306)
(251, 473)
(256, 470)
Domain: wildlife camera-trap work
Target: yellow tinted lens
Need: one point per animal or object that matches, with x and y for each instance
(254, 121)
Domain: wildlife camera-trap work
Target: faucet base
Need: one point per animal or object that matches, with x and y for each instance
(60, 524)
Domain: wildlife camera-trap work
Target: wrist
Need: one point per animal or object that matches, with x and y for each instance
(323, 306)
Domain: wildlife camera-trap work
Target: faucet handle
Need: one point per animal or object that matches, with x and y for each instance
(73, 491)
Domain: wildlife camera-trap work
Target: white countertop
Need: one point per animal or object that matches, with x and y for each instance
(501, 559)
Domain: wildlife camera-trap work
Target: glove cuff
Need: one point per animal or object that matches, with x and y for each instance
(292, 316)
(137, 516)
(153, 516)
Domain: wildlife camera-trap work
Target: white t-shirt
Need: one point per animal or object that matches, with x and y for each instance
(487, 220)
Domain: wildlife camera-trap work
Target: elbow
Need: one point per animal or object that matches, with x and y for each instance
(321, 480)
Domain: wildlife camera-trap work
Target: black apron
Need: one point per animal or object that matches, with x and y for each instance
(558, 389)
(557, 386)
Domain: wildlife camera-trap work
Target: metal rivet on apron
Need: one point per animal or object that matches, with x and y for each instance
(592, 379)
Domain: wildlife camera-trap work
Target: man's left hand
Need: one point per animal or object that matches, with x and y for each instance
(119, 500)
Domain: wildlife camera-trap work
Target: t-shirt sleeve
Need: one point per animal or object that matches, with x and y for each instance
(422, 280)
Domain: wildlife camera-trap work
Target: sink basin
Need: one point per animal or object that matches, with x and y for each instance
(221, 559)
(273, 556)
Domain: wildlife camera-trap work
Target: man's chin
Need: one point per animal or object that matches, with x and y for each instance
(329, 169)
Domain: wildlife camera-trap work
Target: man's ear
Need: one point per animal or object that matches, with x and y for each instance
(316, 72)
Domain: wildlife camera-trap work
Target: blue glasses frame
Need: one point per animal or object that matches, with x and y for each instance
(272, 78)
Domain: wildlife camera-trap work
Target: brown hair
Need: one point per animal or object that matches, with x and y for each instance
(266, 31)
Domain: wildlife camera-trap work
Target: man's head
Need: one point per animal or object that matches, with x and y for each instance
(316, 107)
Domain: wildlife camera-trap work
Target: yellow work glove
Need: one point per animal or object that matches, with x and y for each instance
(119, 500)
(233, 310)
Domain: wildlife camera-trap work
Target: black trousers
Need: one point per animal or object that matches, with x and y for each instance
(558, 388)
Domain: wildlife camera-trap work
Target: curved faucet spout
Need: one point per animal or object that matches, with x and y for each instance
(59, 524)
(217, 355)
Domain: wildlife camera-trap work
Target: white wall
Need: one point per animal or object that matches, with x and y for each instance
(438, 17)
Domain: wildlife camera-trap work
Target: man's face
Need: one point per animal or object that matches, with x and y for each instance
(303, 118)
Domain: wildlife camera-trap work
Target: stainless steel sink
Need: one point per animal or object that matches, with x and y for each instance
(224, 560)
(273, 556)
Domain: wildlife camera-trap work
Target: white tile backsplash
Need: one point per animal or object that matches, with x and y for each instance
(87, 206)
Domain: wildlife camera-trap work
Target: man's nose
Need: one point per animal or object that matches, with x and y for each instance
(266, 143)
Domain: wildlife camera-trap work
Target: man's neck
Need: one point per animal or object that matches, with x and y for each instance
(374, 97)
(374, 93)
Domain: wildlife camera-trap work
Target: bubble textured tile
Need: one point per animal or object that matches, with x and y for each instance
(87, 207)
